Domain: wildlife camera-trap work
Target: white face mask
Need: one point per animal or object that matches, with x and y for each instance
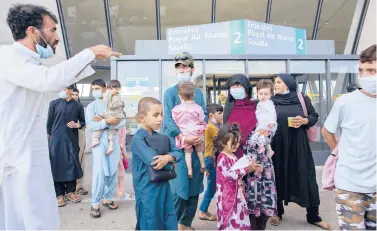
(368, 84)
(184, 77)
(286, 92)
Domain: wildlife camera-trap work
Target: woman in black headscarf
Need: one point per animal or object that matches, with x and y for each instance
(239, 108)
(293, 161)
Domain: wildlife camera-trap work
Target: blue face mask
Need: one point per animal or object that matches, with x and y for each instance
(238, 93)
(97, 94)
(63, 95)
(44, 52)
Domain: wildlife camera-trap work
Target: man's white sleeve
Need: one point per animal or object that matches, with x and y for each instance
(46, 79)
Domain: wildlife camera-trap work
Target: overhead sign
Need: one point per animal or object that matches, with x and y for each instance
(236, 37)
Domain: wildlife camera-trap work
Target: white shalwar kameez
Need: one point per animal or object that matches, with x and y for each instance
(27, 195)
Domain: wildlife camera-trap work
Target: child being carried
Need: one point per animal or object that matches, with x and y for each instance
(189, 118)
(266, 116)
(115, 108)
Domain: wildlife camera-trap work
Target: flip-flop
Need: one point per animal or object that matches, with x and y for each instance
(82, 191)
(327, 226)
(275, 220)
(95, 213)
(109, 205)
(61, 203)
(73, 198)
(208, 217)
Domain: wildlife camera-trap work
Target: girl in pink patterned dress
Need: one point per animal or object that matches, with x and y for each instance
(231, 203)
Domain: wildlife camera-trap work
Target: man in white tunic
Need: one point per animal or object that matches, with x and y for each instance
(27, 198)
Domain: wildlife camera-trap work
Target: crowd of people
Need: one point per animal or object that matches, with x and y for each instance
(255, 153)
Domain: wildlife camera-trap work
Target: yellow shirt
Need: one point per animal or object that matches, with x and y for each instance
(209, 134)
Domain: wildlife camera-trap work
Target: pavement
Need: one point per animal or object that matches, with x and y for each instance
(76, 216)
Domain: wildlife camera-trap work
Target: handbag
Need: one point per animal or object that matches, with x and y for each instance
(161, 144)
(313, 130)
(329, 170)
(125, 163)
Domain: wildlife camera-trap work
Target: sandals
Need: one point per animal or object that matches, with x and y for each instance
(82, 191)
(73, 197)
(208, 217)
(110, 205)
(60, 201)
(95, 212)
(275, 220)
(322, 225)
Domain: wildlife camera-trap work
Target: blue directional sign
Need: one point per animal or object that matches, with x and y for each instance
(237, 37)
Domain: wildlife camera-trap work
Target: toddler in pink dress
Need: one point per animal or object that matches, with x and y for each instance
(189, 118)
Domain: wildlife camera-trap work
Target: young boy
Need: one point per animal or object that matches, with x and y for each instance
(115, 108)
(154, 201)
(266, 116)
(215, 120)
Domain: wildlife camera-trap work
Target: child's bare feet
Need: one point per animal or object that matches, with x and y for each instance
(110, 149)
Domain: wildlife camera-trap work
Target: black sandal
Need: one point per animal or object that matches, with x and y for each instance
(95, 213)
(82, 191)
(110, 205)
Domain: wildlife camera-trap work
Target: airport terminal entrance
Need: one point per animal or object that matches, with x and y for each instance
(322, 78)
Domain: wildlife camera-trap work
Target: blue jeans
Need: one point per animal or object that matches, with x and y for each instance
(211, 184)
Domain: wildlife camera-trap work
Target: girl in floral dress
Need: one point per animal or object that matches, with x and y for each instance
(231, 203)
(260, 186)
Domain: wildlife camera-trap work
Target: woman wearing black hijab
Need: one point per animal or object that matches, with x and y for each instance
(239, 108)
(293, 161)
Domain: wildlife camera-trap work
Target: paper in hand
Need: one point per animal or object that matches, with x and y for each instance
(243, 162)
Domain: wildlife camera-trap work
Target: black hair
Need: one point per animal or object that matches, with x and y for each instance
(21, 16)
(226, 132)
(99, 82)
(75, 90)
(71, 87)
(213, 108)
(114, 84)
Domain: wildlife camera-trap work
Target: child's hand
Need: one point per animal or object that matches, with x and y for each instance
(97, 118)
(160, 161)
(254, 167)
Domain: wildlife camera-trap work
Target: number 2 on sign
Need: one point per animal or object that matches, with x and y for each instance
(301, 44)
(237, 40)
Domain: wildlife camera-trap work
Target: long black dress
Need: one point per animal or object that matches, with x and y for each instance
(64, 141)
(293, 161)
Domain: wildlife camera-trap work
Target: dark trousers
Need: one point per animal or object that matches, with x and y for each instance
(185, 209)
(258, 223)
(211, 184)
(62, 188)
(312, 214)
